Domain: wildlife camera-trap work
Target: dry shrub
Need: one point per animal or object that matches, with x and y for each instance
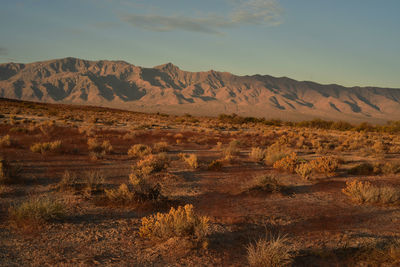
(120, 195)
(275, 152)
(88, 183)
(266, 183)
(106, 147)
(390, 168)
(46, 127)
(325, 165)
(153, 163)
(232, 149)
(304, 170)
(46, 147)
(8, 172)
(379, 147)
(5, 141)
(365, 192)
(3, 189)
(394, 252)
(139, 150)
(257, 154)
(160, 147)
(190, 159)
(180, 222)
(215, 165)
(141, 189)
(269, 251)
(94, 181)
(68, 181)
(36, 210)
(218, 146)
(95, 145)
(363, 169)
(287, 163)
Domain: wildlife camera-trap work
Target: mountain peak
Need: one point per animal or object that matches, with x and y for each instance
(168, 66)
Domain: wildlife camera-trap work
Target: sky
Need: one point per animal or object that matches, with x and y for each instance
(347, 42)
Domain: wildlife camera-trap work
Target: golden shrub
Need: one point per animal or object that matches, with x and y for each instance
(327, 165)
(257, 154)
(139, 150)
(179, 222)
(46, 146)
(153, 163)
(304, 170)
(275, 152)
(287, 163)
(160, 147)
(365, 192)
(190, 159)
(5, 141)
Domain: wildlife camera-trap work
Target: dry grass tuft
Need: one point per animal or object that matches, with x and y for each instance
(35, 211)
(95, 146)
(266, 183)
(46, 147)
(269, 251)
(365, 192)
(190, 159)
(274, 153)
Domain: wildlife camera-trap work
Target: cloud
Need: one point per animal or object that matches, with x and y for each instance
(250, 12)
(170, 23)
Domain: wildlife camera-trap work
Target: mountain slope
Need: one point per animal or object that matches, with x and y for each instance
(166, 88)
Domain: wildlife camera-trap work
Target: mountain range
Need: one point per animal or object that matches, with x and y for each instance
(168, 89)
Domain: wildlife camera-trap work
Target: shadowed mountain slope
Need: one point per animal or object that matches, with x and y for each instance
(166, 88)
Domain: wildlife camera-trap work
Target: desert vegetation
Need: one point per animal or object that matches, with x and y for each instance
(141, 189)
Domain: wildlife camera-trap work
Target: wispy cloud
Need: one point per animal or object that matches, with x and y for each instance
(241, 12)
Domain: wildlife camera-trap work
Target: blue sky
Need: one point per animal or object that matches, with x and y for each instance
(349, 42)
